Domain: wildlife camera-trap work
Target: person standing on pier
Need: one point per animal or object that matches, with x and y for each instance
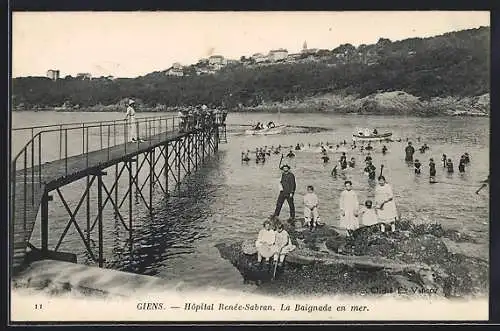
(349, 207)
(287, 190)
(130, 118)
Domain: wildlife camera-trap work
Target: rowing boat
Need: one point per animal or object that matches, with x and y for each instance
(266, 131)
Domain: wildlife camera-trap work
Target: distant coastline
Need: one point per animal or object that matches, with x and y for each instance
(384, 103)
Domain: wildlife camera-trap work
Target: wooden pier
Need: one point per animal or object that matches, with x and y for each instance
(181, 151)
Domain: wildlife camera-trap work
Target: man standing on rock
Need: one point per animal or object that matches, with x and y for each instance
(287, 190)
(409, 150)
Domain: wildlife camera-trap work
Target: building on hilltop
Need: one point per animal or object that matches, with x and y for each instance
(216, 60)
(172, 71)
(84, 75)
(177, 65)
(277, 55)
(259, 58)
(53, 74)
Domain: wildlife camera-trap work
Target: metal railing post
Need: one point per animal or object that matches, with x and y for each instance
(66, 151)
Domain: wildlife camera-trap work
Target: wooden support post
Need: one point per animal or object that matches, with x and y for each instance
(197, 148)
(100, 225)
(116, 187)
(130, 188)
(188, 137)
(137, 178)
(167, 165)
(178, 158)
(151, 179)
(45, 222)
(88, 210)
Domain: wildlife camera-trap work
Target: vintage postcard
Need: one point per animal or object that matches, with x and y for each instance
(249, 166)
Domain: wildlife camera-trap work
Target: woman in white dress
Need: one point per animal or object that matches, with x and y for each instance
(384, 201)
(349, 207)
(283, 244)
(265, 242)
(130, 117)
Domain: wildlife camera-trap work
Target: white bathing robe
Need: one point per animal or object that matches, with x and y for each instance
(283, 243)
(132, 129)
(389, 212)
(369, 217)
(349, 205)
(265, 243)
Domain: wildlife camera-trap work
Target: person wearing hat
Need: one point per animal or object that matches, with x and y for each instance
(130, 118)
(287, 190)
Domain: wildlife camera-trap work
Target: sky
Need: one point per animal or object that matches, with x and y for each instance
(131, 44)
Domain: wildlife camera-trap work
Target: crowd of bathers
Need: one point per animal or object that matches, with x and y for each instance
(199, 117)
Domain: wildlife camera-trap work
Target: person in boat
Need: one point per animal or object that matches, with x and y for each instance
(384, 201)
(271, 125)
(244, 157)
(287, 191)
(349, 207)
(368, 158)
(352, 162)
(467, 158)
(422, 149)
(417, 165)
(368, 215)
(311, 213)
(461, 164)
(290, 154)
(384, 149)
(297, 147)
(370, 170)
(444, 158)
(409, 151)
(265, 242)
(258, 126)
(375, 132)
(432, 171)
(282, 245)
(449, 166)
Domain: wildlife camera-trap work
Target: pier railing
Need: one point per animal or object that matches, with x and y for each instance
(62, 141)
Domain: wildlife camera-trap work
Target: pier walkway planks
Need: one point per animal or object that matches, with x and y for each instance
(53, 175)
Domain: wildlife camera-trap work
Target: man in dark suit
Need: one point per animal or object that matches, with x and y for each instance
(287, 191)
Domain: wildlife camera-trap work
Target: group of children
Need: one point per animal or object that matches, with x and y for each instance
(367, 216)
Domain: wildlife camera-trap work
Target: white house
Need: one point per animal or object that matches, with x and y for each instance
(259, 57)
(53, 74)
(84, 75)
(216, 60)
(172, 71)
(278, 55)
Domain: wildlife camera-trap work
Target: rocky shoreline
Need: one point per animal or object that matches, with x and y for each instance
(416, 259)
(383, 103)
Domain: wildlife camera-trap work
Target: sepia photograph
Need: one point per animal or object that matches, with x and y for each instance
(249, 166)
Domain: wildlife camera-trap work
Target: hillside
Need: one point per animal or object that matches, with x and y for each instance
(434, 75)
